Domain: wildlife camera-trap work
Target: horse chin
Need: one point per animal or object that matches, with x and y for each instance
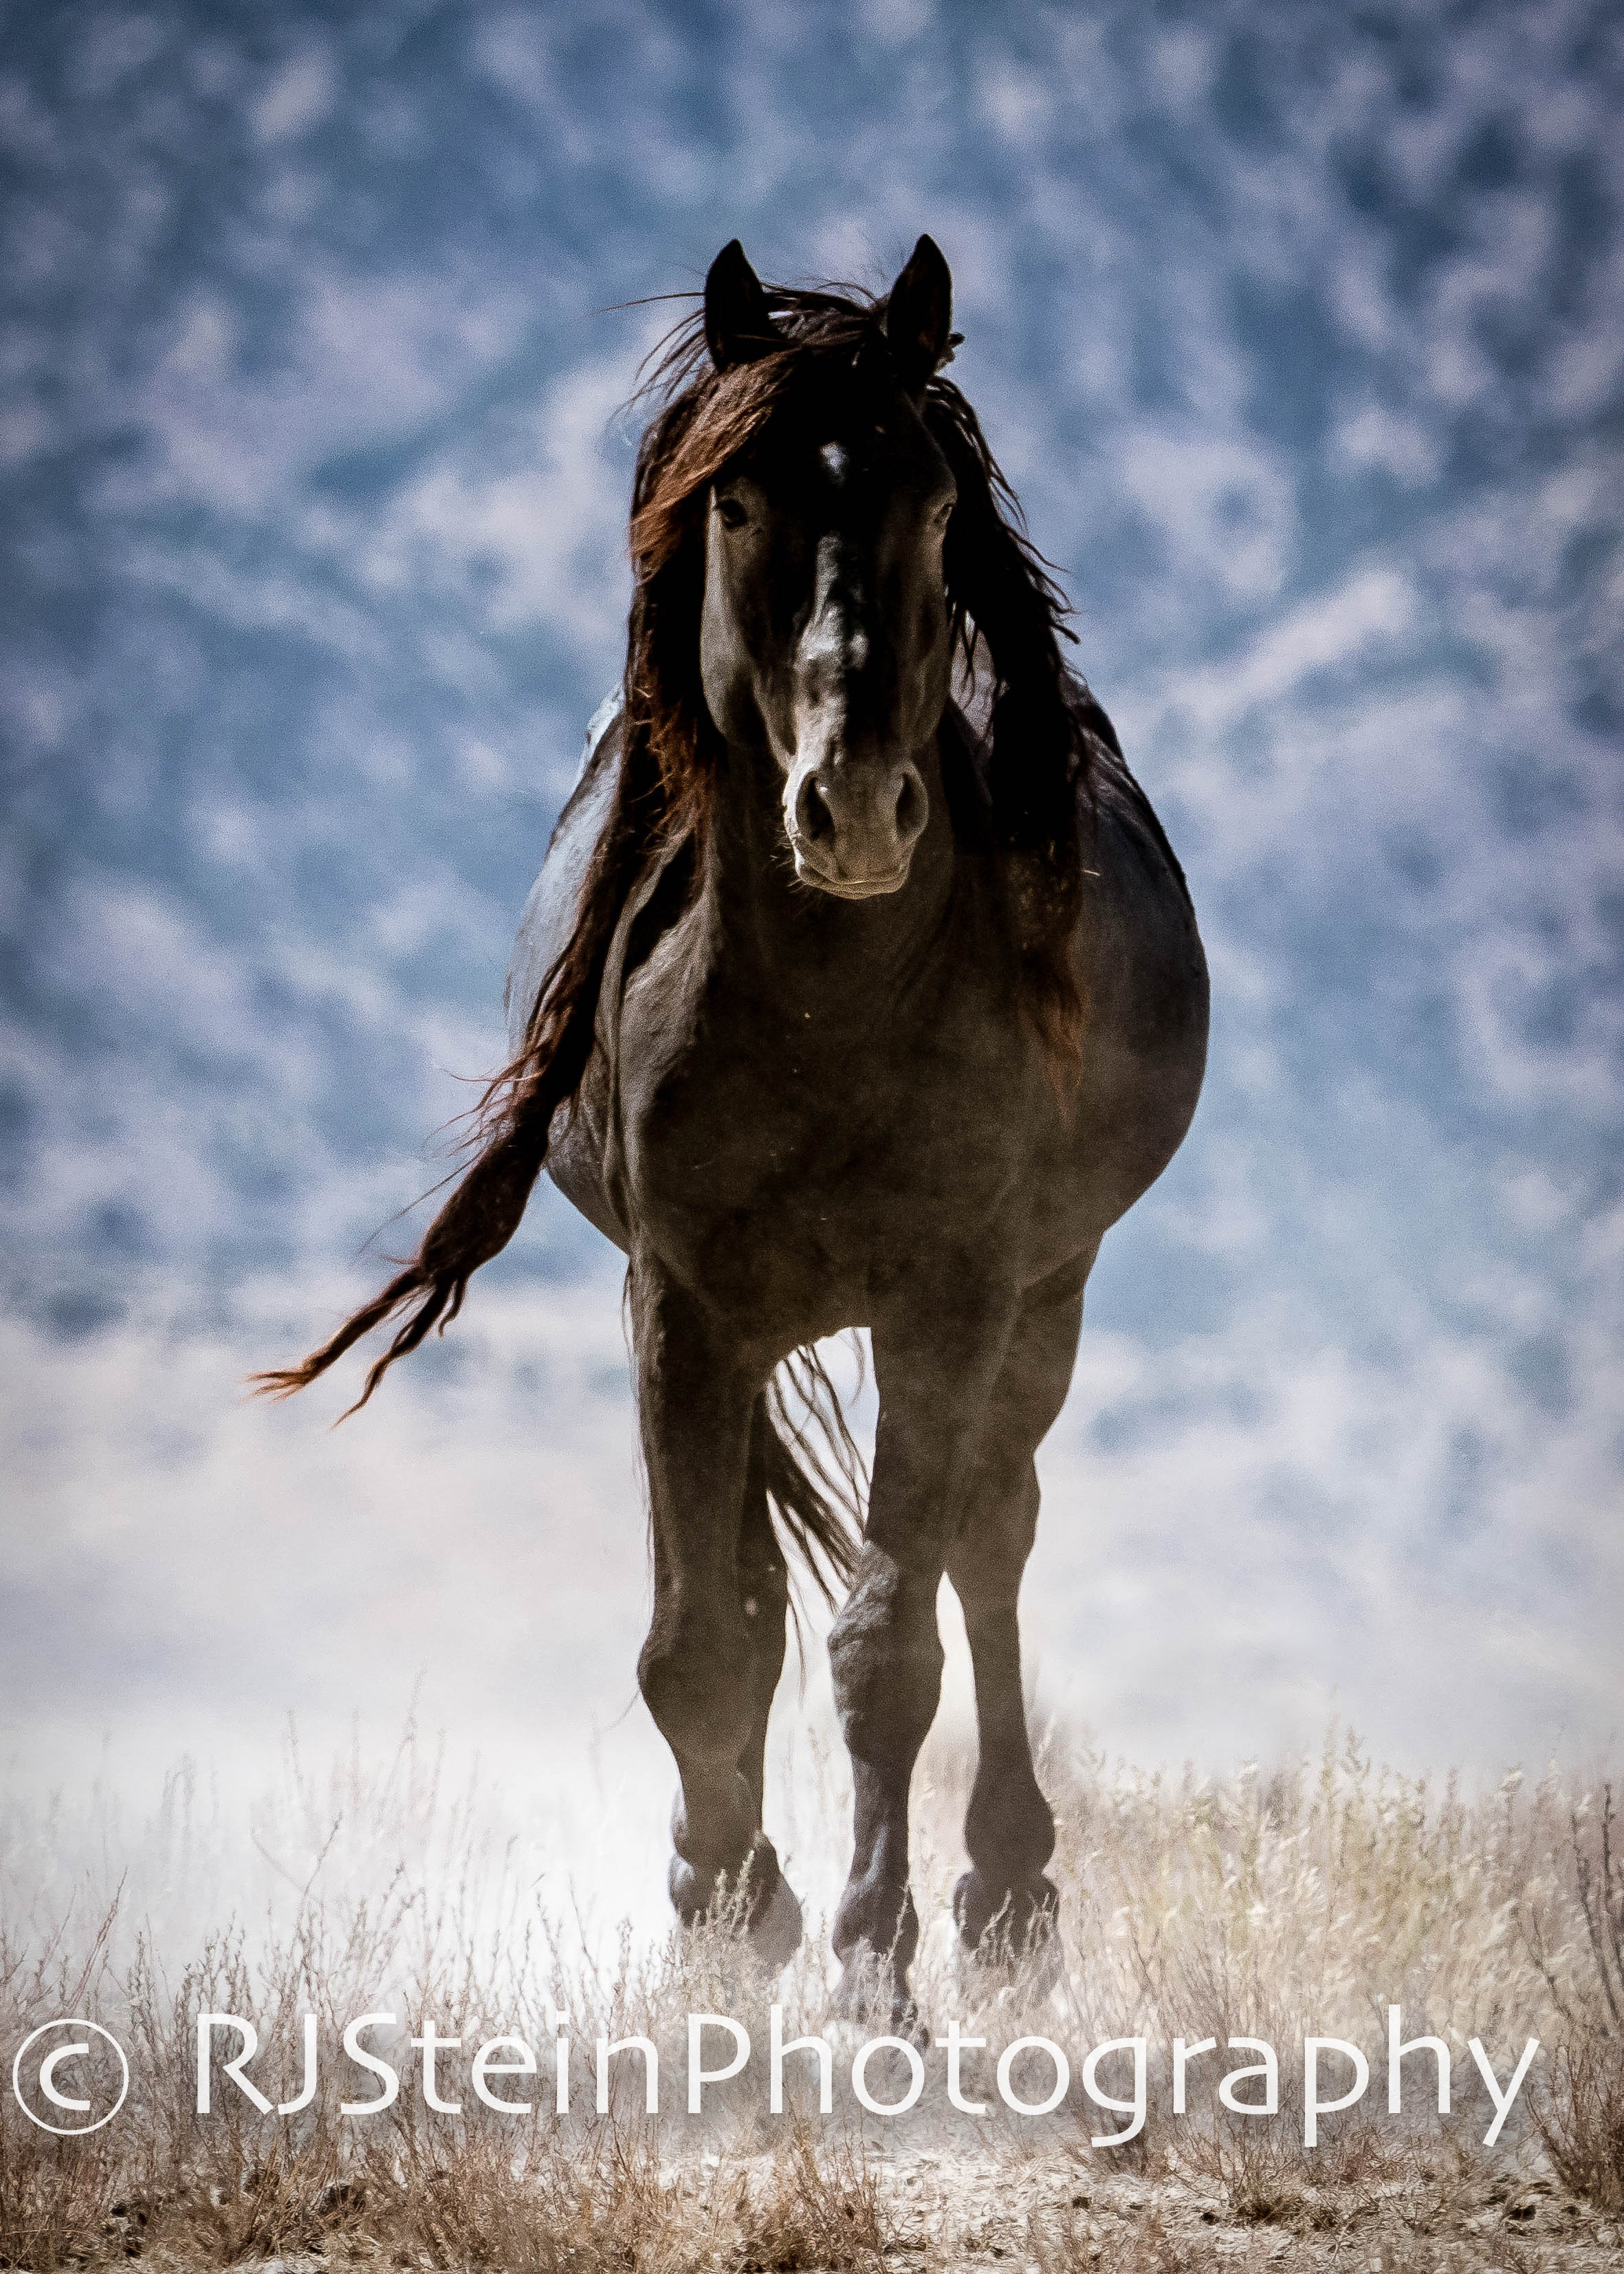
(849, 888)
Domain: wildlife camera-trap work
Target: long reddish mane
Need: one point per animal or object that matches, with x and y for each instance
(1006, 609)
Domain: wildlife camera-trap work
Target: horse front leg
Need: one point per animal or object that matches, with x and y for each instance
(934, 1376)
(701, 1670)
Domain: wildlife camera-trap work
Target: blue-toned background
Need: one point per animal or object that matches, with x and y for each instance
(1299, 330)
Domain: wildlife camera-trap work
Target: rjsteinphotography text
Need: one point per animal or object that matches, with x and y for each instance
(889, 2076)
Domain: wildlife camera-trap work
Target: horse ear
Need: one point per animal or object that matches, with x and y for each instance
(739, 326)
(918, 316)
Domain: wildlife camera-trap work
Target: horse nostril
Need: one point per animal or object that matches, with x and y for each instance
(912, 808)
(813, 818)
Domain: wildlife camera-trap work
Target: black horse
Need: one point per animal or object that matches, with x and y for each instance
(831, 1010)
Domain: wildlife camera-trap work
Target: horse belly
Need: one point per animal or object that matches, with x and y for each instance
(1144, 979)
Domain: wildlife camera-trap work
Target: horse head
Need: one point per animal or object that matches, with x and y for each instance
(825, 630)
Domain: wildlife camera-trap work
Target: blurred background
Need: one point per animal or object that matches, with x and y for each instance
(1299, 332)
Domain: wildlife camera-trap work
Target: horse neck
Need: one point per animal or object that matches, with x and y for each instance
(801, 941)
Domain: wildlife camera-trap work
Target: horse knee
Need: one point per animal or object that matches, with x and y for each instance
(1000, 1525)
(885, 1655)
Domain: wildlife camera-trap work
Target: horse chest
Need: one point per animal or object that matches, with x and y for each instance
(794, 1163)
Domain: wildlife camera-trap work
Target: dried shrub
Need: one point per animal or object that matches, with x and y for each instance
(816, 2209)
(1580, 2118)
(1578, 1945)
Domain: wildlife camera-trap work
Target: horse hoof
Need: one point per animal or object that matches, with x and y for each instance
(993, 1971)
(865, 1995)
(908, 2023)
(1018, 1943)
(775, 1937)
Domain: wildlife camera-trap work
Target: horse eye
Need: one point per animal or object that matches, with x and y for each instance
(732, 514)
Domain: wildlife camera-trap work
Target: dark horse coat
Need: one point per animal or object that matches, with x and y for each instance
(832, 1011)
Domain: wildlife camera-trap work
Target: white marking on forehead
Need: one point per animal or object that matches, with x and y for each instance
(835, 461)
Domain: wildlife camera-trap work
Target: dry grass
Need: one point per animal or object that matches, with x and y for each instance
(1580, 2115)
(1266, 1905)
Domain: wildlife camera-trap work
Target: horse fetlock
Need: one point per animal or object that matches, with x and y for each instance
(704, 1884)
(1008, 1827)
(714, 1824)
(876, 1923)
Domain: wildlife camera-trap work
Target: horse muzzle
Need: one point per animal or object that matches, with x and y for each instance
(852, 827)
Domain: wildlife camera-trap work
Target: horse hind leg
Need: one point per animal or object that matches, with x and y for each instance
(1006, 1905)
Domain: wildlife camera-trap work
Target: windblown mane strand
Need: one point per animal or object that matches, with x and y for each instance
(1042, 725)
